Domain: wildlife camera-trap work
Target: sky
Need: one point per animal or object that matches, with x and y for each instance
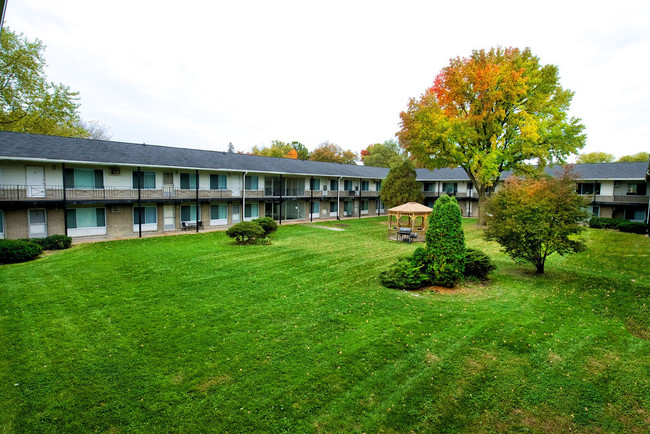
(203, 74)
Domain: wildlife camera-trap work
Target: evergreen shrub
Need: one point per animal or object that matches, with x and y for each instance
(477, 264)
(633, 227)
(445, 243)
(245, 232)
(268, 224)
(605, 223)
(12, 251)
(404, 274)
(53, 242)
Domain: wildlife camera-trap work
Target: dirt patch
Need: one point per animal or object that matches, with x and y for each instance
(637, 329)
(341, 225)
(431, 358)
(211, 382)
(553, 358)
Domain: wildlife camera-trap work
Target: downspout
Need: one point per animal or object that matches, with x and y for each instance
(198, 206)
(338, 198)
(65, 207)
(280, 210)
(243, 196)
(311, 199)
(139, 205)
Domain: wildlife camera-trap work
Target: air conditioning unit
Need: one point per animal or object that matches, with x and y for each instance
(116, 209)
(115, 171)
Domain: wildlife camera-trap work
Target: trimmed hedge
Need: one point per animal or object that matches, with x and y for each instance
(53, 242)
(477, 264)
(633, 227)
(605, 223)
(12, 251)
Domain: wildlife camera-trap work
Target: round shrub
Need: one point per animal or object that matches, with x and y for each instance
(478, 264)
(245, 232)
(403, 275)
(268, 224)
(12, 251)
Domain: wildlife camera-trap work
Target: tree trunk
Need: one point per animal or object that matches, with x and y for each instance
(539, 267)
(482, 220)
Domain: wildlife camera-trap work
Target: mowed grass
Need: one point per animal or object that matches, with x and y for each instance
(193, 333)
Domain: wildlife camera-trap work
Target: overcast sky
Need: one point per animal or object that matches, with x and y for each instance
(201, 74)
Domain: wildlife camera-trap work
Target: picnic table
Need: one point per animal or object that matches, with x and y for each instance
(191, 226)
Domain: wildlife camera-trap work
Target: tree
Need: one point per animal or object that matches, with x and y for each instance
(400, 186)
(301, 150)
(534, 218)
(28, 102)
(331, 153)
(94, 130)
(280, 149)
(385, 154)
(231, 148)
(595, 157)
(640, 157)
(492, 112)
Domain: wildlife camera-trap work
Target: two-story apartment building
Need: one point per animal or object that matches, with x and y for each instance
(79, 187)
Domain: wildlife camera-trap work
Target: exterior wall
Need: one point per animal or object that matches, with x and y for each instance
(16, 225)
(55, 222)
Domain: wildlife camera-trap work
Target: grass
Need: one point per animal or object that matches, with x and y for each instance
(193, 333)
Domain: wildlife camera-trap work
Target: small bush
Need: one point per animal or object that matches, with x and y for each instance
(605, 223)
(12, 251)
(53, 242)
(403, 275)
(268, 224)
(245, 232)
(633, 227)
(477, 264)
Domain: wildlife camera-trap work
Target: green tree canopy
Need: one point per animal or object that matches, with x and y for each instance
(595, 157)
(385, 154)
(494, 111)
(28, 102)
(331, 153)
(640, 157)
(533, 219)
(400, 186)
(280, 149)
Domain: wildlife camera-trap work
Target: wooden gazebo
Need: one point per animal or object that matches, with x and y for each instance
(412, 215)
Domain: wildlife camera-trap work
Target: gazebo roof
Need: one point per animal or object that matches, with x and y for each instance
(411, 207)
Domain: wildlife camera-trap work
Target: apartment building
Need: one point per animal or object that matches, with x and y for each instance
(80, 187)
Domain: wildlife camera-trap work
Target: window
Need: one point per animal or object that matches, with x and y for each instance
(429, 186)
(347, 185)
(636, 189)
(315, 208)
(147, 180)
(146, 214)
(314, 184)
(86, 218)
(334, 184)
(365, 185)
(188, 213)
(251, 211)
(588, 188)
(334, 207)
(378, 185)
(188, 181)
(218, 182)
(83, 178)
(635, 213)
(364, 205)
(449, 187)
(219, 214)
(250, 182)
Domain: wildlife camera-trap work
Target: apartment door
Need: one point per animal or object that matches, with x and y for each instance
(169, 217)
(35, 181)
(235, 213)
(37, 221)
(168, 184)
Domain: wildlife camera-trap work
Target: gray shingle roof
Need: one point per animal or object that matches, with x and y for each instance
(65, 149)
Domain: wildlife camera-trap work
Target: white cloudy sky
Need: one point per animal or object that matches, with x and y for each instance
(202, 74)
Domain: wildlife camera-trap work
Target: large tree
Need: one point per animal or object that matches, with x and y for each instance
(385, 154)
(28, 102)
(595, 157)
(331, 153)
(280, 149)
(400, 186)
(640, 157)
(492, 112)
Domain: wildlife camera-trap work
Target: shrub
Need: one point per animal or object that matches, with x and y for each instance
(633, 227)
(605, 223)
(445, 243)
(53, 242)
(403, 274)
(12, 251)
(478, 264)
(268, 224)
(245, 232)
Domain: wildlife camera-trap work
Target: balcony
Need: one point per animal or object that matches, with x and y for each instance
(616, 199)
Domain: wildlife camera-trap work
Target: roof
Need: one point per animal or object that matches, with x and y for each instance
(411, 207)
(34, 147)
(598, 171)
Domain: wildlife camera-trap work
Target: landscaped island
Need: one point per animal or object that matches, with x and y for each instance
(196, 333)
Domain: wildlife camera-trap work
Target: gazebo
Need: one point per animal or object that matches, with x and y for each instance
(413, 216)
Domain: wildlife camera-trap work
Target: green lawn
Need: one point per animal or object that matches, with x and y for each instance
(192, 333)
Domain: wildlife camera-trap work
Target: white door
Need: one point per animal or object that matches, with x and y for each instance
(35, 181)
(37, 223)
(235, 213)
(169, 216)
